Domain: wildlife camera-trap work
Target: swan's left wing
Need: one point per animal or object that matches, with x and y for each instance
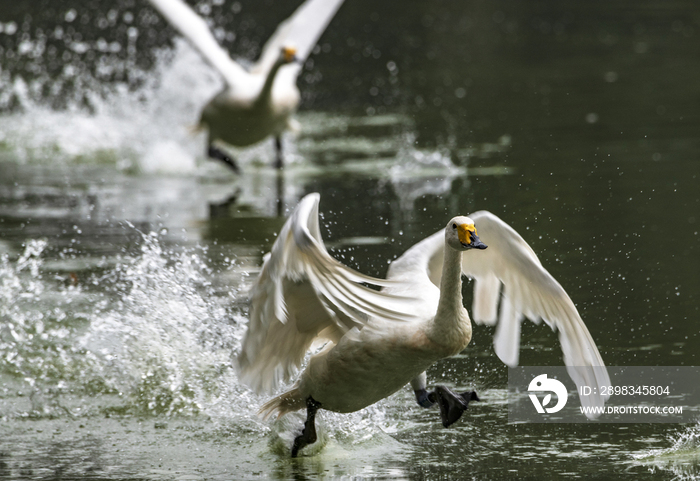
(528, 291)
(301, 31)
(304, 295)
(195, 30)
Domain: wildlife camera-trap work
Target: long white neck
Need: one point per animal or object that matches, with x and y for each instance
(451, 327)
(266, 92)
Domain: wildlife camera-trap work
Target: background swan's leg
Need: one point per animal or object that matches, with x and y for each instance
(423, 397)
(308, 435)
(279, 162)
(216, 153)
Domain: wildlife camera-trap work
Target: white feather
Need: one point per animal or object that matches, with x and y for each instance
(506, 341)
(197, 32)
(487, 291)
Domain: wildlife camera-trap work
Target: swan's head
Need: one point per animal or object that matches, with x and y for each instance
(288, 55)
(460, 234)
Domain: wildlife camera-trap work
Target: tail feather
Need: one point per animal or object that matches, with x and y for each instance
(284, 403)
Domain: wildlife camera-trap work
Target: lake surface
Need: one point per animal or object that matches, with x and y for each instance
(126, 256)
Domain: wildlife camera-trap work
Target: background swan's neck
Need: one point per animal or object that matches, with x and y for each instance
(266, 92)
(451, 327)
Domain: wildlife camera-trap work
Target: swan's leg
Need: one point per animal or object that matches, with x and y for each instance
(280, 194)
(308, 435)
(423, 397)
(216, 153)
(452, 405)
(279, 161)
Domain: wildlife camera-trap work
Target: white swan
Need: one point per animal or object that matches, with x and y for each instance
(257, 103)
(377, 341)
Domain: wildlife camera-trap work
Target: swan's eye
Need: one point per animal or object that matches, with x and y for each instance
(454, 226)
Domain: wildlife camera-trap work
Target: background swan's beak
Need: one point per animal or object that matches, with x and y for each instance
(476, 242)
(290, 54)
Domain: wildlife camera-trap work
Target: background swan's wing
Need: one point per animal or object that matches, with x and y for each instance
(195, 30)
(301, 31)
(528, 291)
(304, 295)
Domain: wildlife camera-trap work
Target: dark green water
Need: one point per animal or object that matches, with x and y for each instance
(126, 256)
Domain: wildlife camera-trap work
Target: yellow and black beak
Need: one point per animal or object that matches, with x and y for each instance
(468, 238)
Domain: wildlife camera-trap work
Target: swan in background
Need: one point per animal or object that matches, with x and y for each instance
(259, 102)
(378, 341)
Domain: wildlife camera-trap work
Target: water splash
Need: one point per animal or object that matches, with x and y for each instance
(148, 128)
(152, 329)
(682, 459)
(38, 316)
(167, 337)
(151, 334)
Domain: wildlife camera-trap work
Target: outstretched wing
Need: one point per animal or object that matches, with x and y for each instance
(301, 31)
(196, 31)
(528, 291)
(304, 295)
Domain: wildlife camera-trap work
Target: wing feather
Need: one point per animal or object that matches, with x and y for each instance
(506, 340)
(532, 292)
(487, 292)
(302, 297)
(196, 31)
(301, 31)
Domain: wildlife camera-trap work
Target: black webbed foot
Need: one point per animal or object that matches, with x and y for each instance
(452, 405)
(308, 435)
(218, 154)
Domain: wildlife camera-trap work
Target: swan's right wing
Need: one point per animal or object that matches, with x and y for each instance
(304, 295)
(195, 30)
(301, 31)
